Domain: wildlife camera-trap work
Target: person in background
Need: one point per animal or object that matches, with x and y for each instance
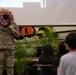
(46, 58)
(67, 65)
(8, 30)
(61, 51)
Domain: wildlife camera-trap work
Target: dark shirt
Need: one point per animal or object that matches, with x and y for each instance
(46, 70)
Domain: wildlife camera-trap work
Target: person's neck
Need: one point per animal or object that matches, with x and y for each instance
(73, 50)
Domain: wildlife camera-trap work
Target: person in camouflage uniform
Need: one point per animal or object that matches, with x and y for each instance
(8, 30)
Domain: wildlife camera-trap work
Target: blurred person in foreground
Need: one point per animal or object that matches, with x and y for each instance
(67, 64)
(8, 30)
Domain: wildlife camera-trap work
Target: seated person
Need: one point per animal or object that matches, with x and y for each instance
(46, 58)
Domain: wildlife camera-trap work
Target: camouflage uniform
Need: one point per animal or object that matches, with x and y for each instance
(7, 48)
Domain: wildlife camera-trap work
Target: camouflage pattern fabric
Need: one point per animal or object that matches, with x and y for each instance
(7, 60)
(7, 48)
(7, 36)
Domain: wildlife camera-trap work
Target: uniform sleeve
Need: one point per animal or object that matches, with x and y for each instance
(15, 31)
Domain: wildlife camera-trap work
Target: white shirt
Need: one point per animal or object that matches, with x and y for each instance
(67, 64)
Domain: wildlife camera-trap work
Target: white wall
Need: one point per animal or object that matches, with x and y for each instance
(55, 12)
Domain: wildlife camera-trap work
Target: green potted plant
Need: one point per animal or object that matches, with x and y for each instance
(48, 35)
(23, 54)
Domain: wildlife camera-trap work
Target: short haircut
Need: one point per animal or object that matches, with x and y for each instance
(71, 40)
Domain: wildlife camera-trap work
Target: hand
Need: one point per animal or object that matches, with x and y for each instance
(11, 27)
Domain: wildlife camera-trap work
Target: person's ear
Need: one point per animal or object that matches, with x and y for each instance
(66, 45)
